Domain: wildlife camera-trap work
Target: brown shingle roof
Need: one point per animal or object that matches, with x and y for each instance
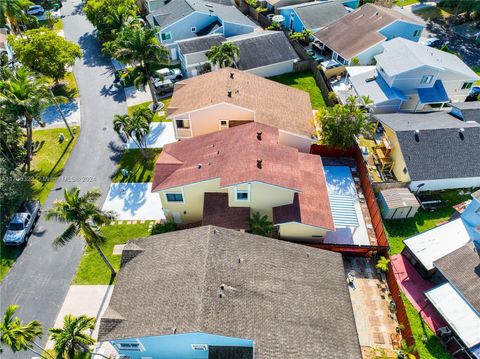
(358, 31)
(274, 104)
(231, 155)
(291, 300)
(217, 212)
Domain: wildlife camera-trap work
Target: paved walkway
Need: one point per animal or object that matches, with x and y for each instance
(414, 287)
(41, 277)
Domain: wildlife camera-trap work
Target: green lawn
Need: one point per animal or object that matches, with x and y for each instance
(141, 169)
(157, 117)
(66, 87)
(406, 2)
(303, 81)
(433, 12)
(47, 165)
(57, 24)
(428, 345)
(399, 230)
(92, 269)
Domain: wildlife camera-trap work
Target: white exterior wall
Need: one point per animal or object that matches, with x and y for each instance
(452, 183)
(366, 57)
(301, 143)
(273, 70)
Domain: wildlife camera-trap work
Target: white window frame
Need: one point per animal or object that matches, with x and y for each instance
(222, 127)
(426, 80)
(140, 347)
(467, 85)
(193, 29)
(166, 34)
(175, 193)
(248, 191)
(183, 120)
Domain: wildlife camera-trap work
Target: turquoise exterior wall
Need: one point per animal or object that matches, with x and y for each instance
(178, 346)
(402, 29)
(297, 23)
(471, 217)
(230, 29)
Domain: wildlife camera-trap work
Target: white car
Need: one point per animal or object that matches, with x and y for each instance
(35, 10)
(169, 74)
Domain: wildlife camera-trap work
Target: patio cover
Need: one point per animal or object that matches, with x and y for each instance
(459, 315)
(435, 94)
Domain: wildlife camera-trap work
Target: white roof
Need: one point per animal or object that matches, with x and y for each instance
(459, 315)
(437, 242)
(401, 55)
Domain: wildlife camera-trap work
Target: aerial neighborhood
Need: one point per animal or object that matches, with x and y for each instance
(239, 179)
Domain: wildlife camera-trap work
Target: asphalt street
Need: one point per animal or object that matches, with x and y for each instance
(41, 276)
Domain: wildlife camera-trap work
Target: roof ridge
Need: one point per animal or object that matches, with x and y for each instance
(210, 230)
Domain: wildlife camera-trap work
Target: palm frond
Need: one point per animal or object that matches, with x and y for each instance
(71, 231)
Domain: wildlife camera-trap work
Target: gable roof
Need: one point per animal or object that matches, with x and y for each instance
(462, 269)
(279, 294)
(358, 31)
(315, 15)
(231, 156)
(178, 9)
(263, 48)
(274, 104)
(440, 150)
(402, 55)
(200, 44)
(468, 111)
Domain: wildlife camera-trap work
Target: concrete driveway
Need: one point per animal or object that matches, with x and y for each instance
(134, 202)
(161, 133)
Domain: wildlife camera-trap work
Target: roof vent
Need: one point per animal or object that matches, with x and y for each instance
(232, 75)
(259, 163)
(417, 135)
(221, 295)
(229, 93)
(240, 260)
(199, 166)
(215, 231)
(462, 136)
(259, 135)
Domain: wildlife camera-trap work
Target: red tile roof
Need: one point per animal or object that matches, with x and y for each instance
(232, 156)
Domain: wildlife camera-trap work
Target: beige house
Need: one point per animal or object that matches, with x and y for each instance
(222, 177)
(227, 98)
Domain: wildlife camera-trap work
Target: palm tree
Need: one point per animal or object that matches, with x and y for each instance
(14, 12)
(71, 339)
(139, 47)
(224, 55)
(23, 96)
(84, 218)
(135, 127)
(260, 225)
(16, 335)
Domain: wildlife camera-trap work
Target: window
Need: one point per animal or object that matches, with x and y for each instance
(174, 197)
(193, 29)
(135, 346)
(467, 85)
(242, 195)
(417, 33)
(166, 36)
(183, 123)
(427, 79)
(341, 59)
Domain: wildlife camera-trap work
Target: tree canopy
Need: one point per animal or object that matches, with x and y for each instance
(44, 51)
(224, 55)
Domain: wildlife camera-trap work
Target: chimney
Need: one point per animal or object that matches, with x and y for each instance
(259, 163)
(229, 93)
(232, 75)
(259, 135)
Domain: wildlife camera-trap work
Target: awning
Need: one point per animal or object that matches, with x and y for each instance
(435, 94)
(343, 210)
(459, 315)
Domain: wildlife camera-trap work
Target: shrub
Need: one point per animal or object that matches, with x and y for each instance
(164, 227)
(382, 264)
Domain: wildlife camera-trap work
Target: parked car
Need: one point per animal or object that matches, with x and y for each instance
(473, 94)
(433, 42)
(169, 74)
(22, 223)
(430, 202)
(163, 87)
(36, 10)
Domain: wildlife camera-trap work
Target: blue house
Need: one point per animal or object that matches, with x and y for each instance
(314, 15)
(184, 19)
(210, 292)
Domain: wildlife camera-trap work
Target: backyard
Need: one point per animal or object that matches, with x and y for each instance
(303, 81)
(47, 164)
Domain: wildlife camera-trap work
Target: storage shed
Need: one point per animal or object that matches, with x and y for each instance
(398, 203)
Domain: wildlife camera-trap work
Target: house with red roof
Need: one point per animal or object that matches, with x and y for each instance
(223, 177)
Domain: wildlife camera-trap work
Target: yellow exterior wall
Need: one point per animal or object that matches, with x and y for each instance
(292, 231)
(396, 155)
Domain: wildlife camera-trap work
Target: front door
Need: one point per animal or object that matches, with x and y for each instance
(173, 54)
(177, 218)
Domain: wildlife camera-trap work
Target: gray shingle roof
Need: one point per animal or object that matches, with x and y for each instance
(292, 300)
(440, 150)
(462, 270)
(317, 15)
(470, 110)
(200, 44)
(263, 49)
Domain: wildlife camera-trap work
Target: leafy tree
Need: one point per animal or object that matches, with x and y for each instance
(18, 336)
(110, 16)
(44, 51)
(135, 127)
(276, 26)
(14, 13)
(260, 225)
(11, 141)
(84, 219)
(139, 47)
(23, 97)
(303, 37)
(224, 55)
(71, 339)
(10, 190)
(340, 125)
(382, 264)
